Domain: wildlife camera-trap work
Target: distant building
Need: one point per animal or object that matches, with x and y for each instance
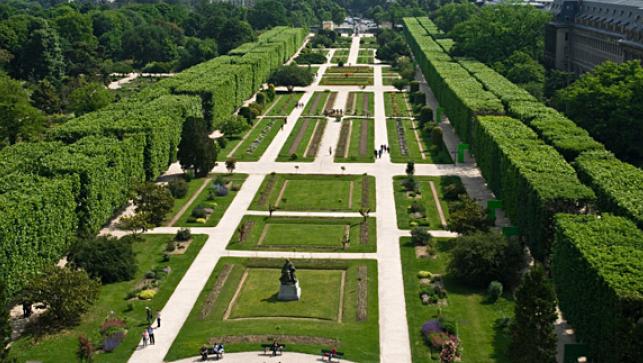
(328, 25)
(585, 33)
(239, 3)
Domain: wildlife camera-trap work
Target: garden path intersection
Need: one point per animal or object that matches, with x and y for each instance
(394, 340)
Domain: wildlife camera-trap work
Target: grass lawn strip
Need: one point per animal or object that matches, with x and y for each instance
(281, 193)
(192, 194)
(417, 139)
(255, 317)
(481, 341)
(300, 135)
(312, 106)
(310, 142)
(350, 103)
(62, 346)
(284, 104)
(438, 205)
(305, 234)
(318, 133)
(342, 141)
(216, 290)
(219, 204)
(360, 141)
(258, 140)
(425, 196)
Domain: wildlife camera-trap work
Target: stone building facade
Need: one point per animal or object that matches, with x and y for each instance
(585, 33)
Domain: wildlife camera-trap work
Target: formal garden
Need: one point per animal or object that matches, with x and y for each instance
(356, 142)
(425, 200)
(305, 234)
(320, 103)
(292, 192)
(340, 56)
(408, 141)
(283, 104)
(360, 104)
(302, 145)
(348, 76)
(240, 307)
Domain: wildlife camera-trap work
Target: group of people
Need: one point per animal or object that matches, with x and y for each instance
(299, 104)
(217, 350)
(378, 152)
(335, 112)
(148, 333)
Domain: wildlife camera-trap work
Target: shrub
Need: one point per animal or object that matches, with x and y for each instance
(426, 115)
(147, 294)
(480, 258)
(424, 274)
(418, 98)
(170, 246)
(222, 142)
(261, 98)
(417, 207)
(494, 291)
(199, 213)
(410, 168)
(86, 349)
(270, 92)
(453, 191)
(113, 331)
(420, 236)
(200, 220)
(415, 86)
(293, 156)
(220, 190)
(178, 188)
(400, 84)
(466, 216)
(183, 234)
(409, 184)
(436, 137)
(105, 258)
(247, 113)
(311, 58)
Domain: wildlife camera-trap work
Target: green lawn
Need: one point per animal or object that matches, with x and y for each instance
(307, 192)
(356, 141)
(303, 140)
(62, 346)
(395, 105)
(368, 43)
(356, 75)
(193, 185)
(320, 293)
(352, 69)
(404, 144)
(320, 297)
(259, 139)
(283, 104)
(402, 201)
(366, 56)
(319, 102)
(341, 55)
(481, 342)
(231, 143)
(360, 104)
(218, 204)
(304, 234)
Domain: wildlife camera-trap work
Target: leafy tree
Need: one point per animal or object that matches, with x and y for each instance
(291, 76)
(19, 120)
(495, 32)
(234, 33)
(45, 97)
(533, 339)
(410, 168)
(521, 68)
(608, 103)
(233, 125)
(41, 56)
(108, 259)
(267, 14)
(230, 164)
(466, 216)
(66, 293)
(196, 51)
(196, 149)
(5, 327)
(89, 97)
(421, 236)
(448, 15)
(154, 200)
(149, 43)
(136, 224)
(482, 257)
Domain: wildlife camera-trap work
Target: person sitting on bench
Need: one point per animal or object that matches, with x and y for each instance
(218, 350)
(204, 352)
(274, 348)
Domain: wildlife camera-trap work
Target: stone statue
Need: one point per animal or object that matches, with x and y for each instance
(289, 288)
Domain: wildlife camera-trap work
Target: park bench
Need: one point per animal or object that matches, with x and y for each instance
(326, 353)
(267, 348)
(212, 353)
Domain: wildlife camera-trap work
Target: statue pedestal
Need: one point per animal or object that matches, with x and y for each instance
(289, 292)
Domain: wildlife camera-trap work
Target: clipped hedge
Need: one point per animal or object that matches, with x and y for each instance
(531, 178)
(618, 185)
(37, 223)
(597, 266)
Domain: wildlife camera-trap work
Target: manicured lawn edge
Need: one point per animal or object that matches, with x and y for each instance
(433, 156)
(402, 202)
(268, 128)
(354, 141)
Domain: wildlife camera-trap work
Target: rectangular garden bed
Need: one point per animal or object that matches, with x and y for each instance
(283, 104)
(356, 141)
(396, 105)
(303, 142)
(259, 138)
(319, 102)
(409, 143)
(360, 104)
(426, 213)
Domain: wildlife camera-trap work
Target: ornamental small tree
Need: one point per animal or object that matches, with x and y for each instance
(533, 339)
(426, 115)
(136, 224)
(196, 149)
(420, 236)
(410, 168)
(400, 84)
(108, 259)
(466, 217)
(230, 164)
(155, 201)
(291, 76)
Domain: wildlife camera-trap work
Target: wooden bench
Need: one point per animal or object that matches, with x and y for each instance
(326, 353)
(267, 349)
(212, 353)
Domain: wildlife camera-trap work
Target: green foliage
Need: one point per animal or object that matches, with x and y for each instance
(107, 259)
(291, 76)
(19, 120)
(233, 126)
(155, 201)
(531, 178)
(420, 236)
(616, 184)
(466, 216)
(196, 149)
(311, 58)
(426, 115)
(600, 259)
(89, 97)
(482, 257)
(607, 103)
(66, 293)
(178, 188)
(494, 291)
(5, 326)
(448, 15)
(533, 339)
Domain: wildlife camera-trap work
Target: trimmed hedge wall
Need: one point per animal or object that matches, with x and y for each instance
(597, 266)
(618, 185)
(531, 178)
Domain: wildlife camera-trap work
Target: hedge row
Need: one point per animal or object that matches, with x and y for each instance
(618, 185)
(598, 271)
(73, 182)
(531, 178)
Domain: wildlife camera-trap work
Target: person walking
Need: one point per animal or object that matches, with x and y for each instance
(146, 337)
(330, 150)
(375, 153)
(150, 333)
(158, 319)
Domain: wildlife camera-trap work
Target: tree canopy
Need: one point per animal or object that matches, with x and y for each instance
(19, 120)
(291, 76)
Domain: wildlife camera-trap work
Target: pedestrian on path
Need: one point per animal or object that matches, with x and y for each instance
(146, 337)
(375, 153)
(158, 320)
(150, 333)
(330, 150)
(148, 315)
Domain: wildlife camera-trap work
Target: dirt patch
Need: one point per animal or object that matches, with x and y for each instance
(350, 104)
(282, 339)
(365, 192)
(350, 195)
(330, 102)
(342, 143)
(313, 148)
(245, 230)
(300, 135)
(314, 103)
(421, 252)
(311, 139)
(365, 97)
(362, 293)
(180, 247)
(363, 233)
(363, 137)
(265, 194)
(206, 309)
(340, 312)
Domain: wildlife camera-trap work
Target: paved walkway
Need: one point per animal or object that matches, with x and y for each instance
(394, 333)
(258, 357)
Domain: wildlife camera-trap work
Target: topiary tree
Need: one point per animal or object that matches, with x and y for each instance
(410, 168)
(494, 291)
(291, 76)
(154, 200)
(436, 136)
(400, 84)
(196, 149)
(414, 86)
(418, 98)
(230, 164)
(108, 259)
(178, 188)
(66, 294)
(426, 115)
(466, 216)
(533, 339)
(482, 257)
(261, 98)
